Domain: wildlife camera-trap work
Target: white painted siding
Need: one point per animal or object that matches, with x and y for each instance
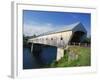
(60, 39)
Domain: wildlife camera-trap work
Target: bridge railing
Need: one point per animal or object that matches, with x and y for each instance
(79, 44)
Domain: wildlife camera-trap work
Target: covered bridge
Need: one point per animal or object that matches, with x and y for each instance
(63, 36)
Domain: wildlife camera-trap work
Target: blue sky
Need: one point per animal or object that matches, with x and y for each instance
(37, 22)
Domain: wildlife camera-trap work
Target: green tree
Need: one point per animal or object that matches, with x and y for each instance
(87, 40)
(34, 36)
(25, 39)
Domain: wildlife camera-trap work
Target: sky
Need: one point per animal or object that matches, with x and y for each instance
(37, 22)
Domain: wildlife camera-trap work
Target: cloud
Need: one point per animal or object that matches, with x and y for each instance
(31, 29)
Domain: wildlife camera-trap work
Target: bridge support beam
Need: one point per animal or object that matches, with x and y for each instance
(60, 53)
(32, 48)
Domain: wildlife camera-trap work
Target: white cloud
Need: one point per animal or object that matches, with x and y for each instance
(31, 29)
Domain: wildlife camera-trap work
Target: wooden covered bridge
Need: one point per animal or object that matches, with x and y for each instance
(61, 38)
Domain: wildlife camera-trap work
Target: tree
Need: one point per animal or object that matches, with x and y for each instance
(25, 39)
(87, 40)
(34, 36)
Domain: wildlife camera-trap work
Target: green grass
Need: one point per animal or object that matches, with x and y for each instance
(84, 58)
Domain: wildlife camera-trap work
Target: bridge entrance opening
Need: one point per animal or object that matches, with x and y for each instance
(77, 37)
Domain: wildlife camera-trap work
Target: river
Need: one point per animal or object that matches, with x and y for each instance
(46, 56)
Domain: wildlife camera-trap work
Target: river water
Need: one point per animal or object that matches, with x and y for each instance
(46, 56)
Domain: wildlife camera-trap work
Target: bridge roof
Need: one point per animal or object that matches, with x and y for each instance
(65, 28)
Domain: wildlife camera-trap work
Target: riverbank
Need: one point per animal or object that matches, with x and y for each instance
(82, 58)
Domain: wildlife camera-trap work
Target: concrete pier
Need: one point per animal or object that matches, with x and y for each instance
(60, 54)
(32, 48)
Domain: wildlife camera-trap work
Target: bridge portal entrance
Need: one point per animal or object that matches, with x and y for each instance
(77, 37)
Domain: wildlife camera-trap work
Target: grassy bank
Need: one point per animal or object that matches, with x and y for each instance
(83, 58)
